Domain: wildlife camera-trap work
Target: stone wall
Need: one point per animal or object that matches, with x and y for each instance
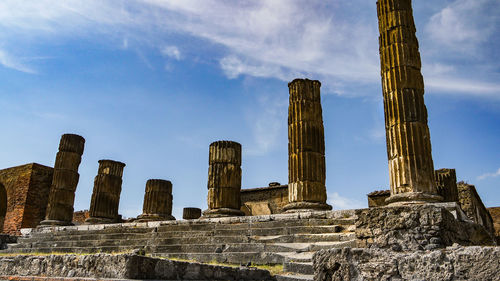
(124, 266)
(27, 188)
(453, 263)
(264, 201)
(473, 206)
(495, 215)
(79, 217)
(377, 198)
(417, 227)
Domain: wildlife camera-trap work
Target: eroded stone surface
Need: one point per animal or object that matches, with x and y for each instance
(416, 227)
(453, 263)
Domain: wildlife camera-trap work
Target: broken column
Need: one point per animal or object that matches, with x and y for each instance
(157, 204)
(64, 181)
(190, 213)
(306, 148)
(446, 184)
(106, 194)
(224, 180)
(411, 167)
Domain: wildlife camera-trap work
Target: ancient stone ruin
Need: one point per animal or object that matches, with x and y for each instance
(426, 227)
(157, 201)
(106, 194)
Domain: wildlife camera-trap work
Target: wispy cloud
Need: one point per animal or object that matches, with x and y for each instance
(171, 52)
(343, 203)
(489, 175)
(12, 62)
(335, 41)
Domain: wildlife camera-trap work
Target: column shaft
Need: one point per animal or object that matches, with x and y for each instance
(411, 169)
(157, 201)
(64, 181)
(106, 194)
(306, 148)
(224, 179)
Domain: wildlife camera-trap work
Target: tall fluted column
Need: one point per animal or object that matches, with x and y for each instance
(64, 181)
(224, 180)
(106, 194)
(306, 148)
(411, 167)
(157, 201)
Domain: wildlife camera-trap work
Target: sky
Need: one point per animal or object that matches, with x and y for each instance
(152, 83)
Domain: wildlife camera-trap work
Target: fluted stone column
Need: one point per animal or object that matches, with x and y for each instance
(157, 201)
(64, 181)
(224, 180)
(306, 148)
(106, 194)
(411, 167)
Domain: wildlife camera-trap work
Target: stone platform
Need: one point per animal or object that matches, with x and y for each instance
(289, 239)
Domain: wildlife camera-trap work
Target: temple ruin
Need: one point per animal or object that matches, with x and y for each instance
(425, 227)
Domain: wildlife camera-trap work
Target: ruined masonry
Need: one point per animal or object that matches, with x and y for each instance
(224, 179)
(157, 201)
(106, 194)
(64, 182)
(306, 148)
(411, 169)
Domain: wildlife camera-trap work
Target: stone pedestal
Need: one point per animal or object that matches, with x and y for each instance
(64, 181)
(191, 213)
(106, 194)
(157, 201)
(411, 167)
(306, 148)
(224, 180)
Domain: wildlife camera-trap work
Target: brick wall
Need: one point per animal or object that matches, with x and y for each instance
(27, 188)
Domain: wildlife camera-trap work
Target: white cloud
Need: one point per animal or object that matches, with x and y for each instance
(332, 41)
(12, 62)
(463, 24)
(343, 203)
(172, 52)
(489, 175)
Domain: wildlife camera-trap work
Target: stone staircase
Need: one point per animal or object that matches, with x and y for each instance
(288, 239)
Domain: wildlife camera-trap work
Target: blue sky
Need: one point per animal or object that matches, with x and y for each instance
(152, 83)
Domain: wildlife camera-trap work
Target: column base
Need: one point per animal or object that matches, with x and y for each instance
(297, 207)
(221, 212)
(409, 198)
(49, 223)
(96, 220)
(153, 217)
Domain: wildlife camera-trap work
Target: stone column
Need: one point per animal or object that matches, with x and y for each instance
(157, 201)
(306, 148)
(64, 181)
(411, 167)
(106, 194)
(190, 213)
(224, 180)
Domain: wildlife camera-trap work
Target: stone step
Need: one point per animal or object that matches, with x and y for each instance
(187, 227)
(262, 232)
(299, 267)
(294, 277)
(117, 246)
